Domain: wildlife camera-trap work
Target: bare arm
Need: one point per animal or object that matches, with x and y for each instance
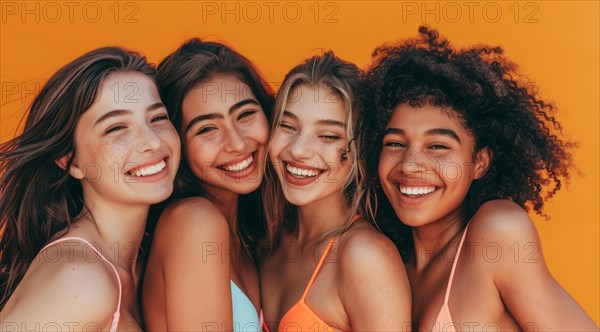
(374, 287)
(189, 250)
(528, 290)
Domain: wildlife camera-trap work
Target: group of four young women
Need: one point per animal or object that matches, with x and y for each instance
(444, 141)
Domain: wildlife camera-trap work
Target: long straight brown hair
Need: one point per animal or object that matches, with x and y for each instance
(193, 63)
(37, 198)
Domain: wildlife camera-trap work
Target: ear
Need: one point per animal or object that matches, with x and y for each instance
(483, 160)
(74, 169)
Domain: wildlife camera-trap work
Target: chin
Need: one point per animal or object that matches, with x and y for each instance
(245, 190)
(412, 220)
(298, 201)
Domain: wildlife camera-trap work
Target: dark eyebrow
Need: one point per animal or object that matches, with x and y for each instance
(203, 117)
(443, 131)
(211, 116)
(111, 114)
(394, 131)
(433, 131)
(155, 106)
(242, 103)
(114, 113)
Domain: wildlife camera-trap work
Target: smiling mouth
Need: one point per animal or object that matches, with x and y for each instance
(415, 192)
(302, 173)
(238, 166)
(148, 170)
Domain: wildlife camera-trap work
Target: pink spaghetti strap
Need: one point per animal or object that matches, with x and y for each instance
(116, 316)
(462, 240)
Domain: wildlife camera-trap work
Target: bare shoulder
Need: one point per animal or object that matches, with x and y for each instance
(71, 284)
(363, 247)
(502, 221)
(194, 218)
(372, 281)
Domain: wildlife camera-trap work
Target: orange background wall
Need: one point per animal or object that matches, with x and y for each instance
(556, 44)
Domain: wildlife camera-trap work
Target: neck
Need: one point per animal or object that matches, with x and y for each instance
(227, 203)
(433, 238)
(320, 217)
(120, 228)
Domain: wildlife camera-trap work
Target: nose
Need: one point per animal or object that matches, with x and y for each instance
(412, 162)
(235, 141)
(149, 139)
(301, 147)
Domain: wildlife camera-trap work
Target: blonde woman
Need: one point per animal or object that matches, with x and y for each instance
(323, 267)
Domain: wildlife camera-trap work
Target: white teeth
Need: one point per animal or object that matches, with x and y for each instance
(416, 190)
(149, 170)
(242, 165)
(301, 171)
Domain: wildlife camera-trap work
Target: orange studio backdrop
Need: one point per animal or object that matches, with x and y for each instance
(556, 43)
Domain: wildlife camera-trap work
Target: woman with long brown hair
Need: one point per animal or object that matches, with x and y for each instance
(97, 150)
(201, 272)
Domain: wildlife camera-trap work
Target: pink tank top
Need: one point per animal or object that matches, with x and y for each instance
(115, 318)
(444, 321)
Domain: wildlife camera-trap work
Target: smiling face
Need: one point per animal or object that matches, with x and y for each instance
(224, 132)
(126, 149)
(427, 164)
(307, 147)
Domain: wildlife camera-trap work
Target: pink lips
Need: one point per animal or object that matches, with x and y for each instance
(294, 180)
(149, 178)
(249, 169)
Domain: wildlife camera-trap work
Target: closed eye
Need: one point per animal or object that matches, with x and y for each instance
(205, 130)
(286, 126)
(330, 138)
(114, 129)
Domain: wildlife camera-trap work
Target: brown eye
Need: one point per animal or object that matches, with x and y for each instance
(438, 147)
(395, 144)
(246, 114)
(160, 118)
(205, 130)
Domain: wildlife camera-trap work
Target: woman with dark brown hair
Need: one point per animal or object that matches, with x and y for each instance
(461, 147)
(201, 273)
(97, 150)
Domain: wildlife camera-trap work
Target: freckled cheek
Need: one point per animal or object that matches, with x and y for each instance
(332, 154)
(454, 170)
(107, 153)
(278, 144)
(169, 135)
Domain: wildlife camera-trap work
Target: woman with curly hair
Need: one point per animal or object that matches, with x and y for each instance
(201, 273)
(460, 147)
(75, 188)
(326, 268)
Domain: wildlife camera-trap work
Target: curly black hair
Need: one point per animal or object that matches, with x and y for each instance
(501, 109)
